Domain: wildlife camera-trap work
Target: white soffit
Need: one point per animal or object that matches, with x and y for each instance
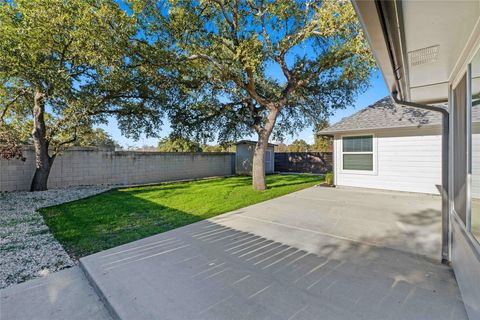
(435, 32)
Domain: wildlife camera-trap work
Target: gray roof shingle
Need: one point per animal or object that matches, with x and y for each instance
(385, 114)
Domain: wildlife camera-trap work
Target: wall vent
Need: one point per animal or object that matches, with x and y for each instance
(424, 55)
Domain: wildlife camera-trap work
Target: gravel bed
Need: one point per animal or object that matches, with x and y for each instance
(27, 248)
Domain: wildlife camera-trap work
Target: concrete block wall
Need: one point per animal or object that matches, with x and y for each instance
(93, 166)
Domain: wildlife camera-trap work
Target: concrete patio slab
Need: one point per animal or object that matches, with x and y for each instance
(59, 296)
(276, 260)
(408, 222)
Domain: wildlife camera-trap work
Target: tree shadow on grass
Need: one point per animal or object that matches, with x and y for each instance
(273, 181)
(162, 186)
(293, 182)
(120, 216)
(172, 185)
(111, 223)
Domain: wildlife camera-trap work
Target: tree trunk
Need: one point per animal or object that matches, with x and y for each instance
(43, 161)
(258, 165)
(40, 178)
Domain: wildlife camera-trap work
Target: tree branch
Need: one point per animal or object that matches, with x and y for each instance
(206, 57)
(58, 146)
(10, 103)
(322, 66)
(64, 52)
(229, 20)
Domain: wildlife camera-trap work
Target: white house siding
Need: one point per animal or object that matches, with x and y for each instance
(407, 159)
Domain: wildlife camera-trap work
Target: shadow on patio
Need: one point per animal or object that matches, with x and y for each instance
(209, 270)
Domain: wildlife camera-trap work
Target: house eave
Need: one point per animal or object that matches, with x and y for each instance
(381, 22)
(423, 126)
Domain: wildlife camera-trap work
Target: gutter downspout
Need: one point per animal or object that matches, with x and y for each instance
(445, 176)
(391, 20)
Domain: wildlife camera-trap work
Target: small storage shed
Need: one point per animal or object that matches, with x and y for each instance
(244, 157)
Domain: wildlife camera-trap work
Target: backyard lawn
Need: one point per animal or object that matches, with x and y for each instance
(123, 215)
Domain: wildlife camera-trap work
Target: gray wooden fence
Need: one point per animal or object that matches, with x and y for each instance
(304, 162)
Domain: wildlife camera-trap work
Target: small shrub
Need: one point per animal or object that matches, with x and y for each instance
(329, 178)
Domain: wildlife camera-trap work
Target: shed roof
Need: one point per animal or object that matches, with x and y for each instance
(253, 142)
(385, 114)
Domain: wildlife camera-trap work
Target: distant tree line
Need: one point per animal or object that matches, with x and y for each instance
(320, 144)
(172, 144)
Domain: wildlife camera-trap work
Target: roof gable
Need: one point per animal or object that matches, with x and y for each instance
(385, 114)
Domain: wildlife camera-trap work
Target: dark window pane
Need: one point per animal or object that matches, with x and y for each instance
(358, 144)
(358, 162)
(460, 148)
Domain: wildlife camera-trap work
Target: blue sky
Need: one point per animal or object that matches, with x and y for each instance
(376, 91)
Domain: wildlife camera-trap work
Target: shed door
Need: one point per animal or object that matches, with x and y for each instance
(268, 161)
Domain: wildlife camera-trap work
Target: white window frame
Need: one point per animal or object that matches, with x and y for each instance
(469, 129)
(465, 69)
(373, 153)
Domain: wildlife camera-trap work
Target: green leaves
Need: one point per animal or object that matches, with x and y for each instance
(250, 54)
(172, 144)
(303, 59)
(87, 58)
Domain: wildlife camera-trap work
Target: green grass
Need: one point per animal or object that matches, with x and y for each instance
(123, 215)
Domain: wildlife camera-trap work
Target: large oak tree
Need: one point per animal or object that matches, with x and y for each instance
(68, 65)
(263, 67)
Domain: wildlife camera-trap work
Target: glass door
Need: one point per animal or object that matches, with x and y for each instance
(474, 134)
(459, 131)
